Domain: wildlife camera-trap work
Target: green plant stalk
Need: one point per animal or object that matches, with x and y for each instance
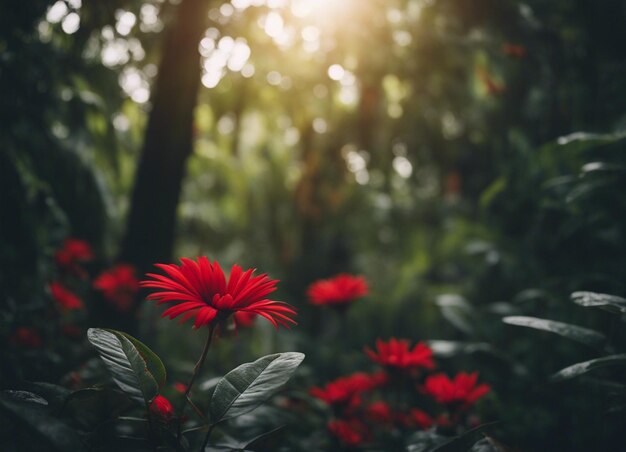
(206, 438)
(196, 372)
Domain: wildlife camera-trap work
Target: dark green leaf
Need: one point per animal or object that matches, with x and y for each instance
(447, 349)
(154, 363)
(585, 366)
(573, 332)
(424, 441)
(125, 363)
(92, 406)
(31, 412)
(464, 442)
(249, 385)
(256, 443)
(457, 311)
(24, 396)
(610, 303)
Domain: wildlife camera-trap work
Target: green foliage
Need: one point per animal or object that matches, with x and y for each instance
(246, 387)
(128, 364)
(573, 332)
(434, 167)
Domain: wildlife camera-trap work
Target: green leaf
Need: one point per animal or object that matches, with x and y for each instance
(585, 366)
(246, 387)
(447, 349)
(458, 312)
(154, 363)
(125, 363)
(573, 332)
(463, 442)
(259, 442)
(611, 303)
(31, 412)
(91, 407)
(24, 396)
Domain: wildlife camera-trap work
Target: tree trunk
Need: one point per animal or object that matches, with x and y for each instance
(168, 141)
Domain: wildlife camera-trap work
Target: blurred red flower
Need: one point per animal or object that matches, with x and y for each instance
(340, 290)
(180, 387)
(72, 331)
(71, 254)
(514, 50)
(421, 418)
(350, 432)
(462, 391)
(396, 353)
(345, 390)
(161, 408)
(199, 289)
(118, 285)
(26, 337)
(379, 412)
(64, 297)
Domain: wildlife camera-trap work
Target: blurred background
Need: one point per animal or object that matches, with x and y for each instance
(466, 157)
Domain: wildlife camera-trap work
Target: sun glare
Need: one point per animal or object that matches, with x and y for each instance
(307, 8)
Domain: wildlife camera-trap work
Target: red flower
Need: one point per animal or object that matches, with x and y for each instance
(351, 433)
(461, 391)
(26, 337)
(345, 390)
(65, 298)
(118, 285)
(71, 331)
(396, 353)
(421, 419)
(200, 290)
(341, 290)
(180, 387)
(379, 412)
(514, 50)
(244, 319)
(73, 252)
(161, 408)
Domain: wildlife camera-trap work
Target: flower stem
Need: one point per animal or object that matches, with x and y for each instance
(196, 371)
(206, 438)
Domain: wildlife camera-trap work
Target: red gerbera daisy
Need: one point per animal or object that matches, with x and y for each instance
(345, 390)
(351, 432)
(341, 290)
(200, 290)
(244, 319)
(461, 391)
(118, 285)
(71, 254)
(396, 353)
(421, 418)
(65, 298)
(379, 412)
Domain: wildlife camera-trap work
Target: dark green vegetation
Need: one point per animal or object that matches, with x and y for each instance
(467, 156)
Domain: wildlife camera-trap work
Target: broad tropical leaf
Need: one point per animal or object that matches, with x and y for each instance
(573, 332)
(610, 303)
(249, 385)
(154, 363)
(125, 362)
(463, 442)
(585, 366)
(31, 412)
(256, 443)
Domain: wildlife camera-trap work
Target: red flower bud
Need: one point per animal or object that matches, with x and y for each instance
(161, 408)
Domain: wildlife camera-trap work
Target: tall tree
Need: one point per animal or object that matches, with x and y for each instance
(168, 140)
